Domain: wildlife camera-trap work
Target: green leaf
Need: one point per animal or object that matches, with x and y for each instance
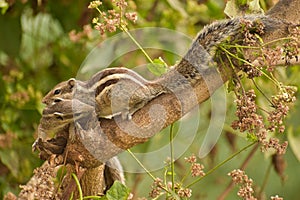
(177, 5)
(118, 191)
(10, 159)
(251, 137)
(235, 8)
(4, 6)
(39, 32)
(294, 142)
(158, 68)
(241, 2)
(230, 86)
(231, 9)
(254, 7)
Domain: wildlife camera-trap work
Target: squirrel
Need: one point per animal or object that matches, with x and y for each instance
(115, 91)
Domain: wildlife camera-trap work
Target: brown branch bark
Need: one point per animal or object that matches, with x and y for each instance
(286, 10)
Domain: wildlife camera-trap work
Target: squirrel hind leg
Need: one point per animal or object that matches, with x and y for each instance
(113, 171)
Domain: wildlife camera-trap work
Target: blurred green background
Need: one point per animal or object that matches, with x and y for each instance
(37, 51)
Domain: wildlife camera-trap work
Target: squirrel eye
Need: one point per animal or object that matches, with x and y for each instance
(59, 117)
(57, 91)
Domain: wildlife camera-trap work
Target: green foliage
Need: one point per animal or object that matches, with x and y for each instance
(236, 8)
(117, 191)
(4, 6)
(158, 67)
(38, 33)
(294, 138)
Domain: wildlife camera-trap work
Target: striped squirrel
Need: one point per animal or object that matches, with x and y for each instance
(116, 91)
(54, 122)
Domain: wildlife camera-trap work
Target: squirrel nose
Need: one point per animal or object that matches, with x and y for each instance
(44, 101)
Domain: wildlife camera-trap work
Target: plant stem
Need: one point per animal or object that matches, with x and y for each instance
(220, 164)
(92, 197)
(258, 88)
(234, 74)
(172, 155)
(147, 171)
(240, 46)
(242, 167)
(267, 174)
(136, 42)
(277, 40)
(141, 164)
(78, 186)
(248, 63)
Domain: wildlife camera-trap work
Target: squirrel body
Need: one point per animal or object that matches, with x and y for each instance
(116, 91)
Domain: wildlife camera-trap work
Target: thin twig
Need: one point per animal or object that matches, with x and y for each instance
(220, 164)
(147, 171)
(264, 184)
(242, 167)
(172, 156)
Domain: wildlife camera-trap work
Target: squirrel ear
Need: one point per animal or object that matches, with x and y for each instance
(71, 82)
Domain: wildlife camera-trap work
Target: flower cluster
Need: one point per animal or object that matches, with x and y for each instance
(184, 192)
(273, 143)
(191, 159)
(175, 190)
(245, 191)
(248, 119)
(280, 103)
(276, 118)
(276, 198)
(158, 185)
(87, 33)
(251, 70)
(291, 48)
(250, 29)
(114, 18)
(156, 188)
(270, 57)
(196, 168)
(95, 4)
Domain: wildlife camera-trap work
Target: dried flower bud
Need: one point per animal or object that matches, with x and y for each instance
(184, 192)
(279, 165)
(276, 198)
(95, 20)
(191, 159)
(132, 16)
(245, 191)
(197, 169)
(156, 188)
(94, 4)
